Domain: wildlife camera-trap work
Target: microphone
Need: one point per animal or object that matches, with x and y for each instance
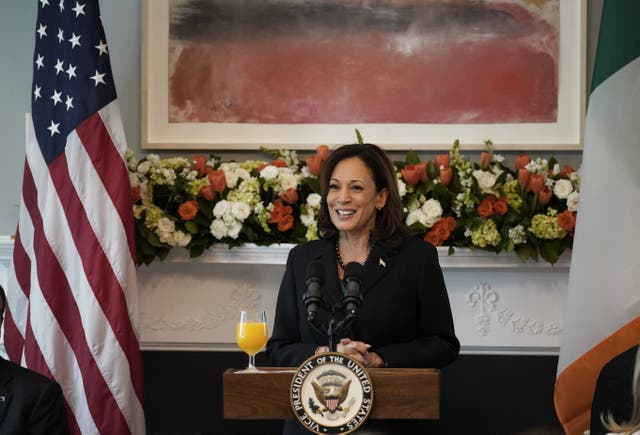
(312, 298)
(352, 279)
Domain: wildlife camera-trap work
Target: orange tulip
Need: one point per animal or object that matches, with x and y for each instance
(314, 164)
(323, 152)
(279, 163)
(207, 193)
(410, 175)
(217, 179)
(485, 159)
(523, 177)
(522, 160)
(442, 160)
(135, 194)
(536, 183)
(200, 164)
(544, 196)
(445, 175)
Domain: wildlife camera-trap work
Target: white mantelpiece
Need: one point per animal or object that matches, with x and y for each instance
(500, 305)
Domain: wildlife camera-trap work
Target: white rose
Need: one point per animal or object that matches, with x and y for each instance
(166, 238)
(240, 210)
(153, 158)
(308, 219)
(134, 180)
(288, 181)
(269, 172)
(228, 219)
(242, 173)
(432, 209)
(486, 180)
(144, 192)
(143, 167)
(416, 216)
(218, 228)
(221, 208)
(165, 225)
(234, 229)
(181, 239)
(313, 200)
(563, 188)
(572, 201)
(402, 188)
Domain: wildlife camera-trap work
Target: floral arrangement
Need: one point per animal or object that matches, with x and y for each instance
(449, 201)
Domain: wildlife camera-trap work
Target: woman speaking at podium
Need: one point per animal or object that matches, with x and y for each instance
(404, 318)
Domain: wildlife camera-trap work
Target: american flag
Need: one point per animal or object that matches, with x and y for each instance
(72, 298)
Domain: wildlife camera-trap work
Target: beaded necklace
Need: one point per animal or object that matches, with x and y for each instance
(339, 257)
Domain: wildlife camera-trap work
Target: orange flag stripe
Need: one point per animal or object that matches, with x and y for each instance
(575, 384)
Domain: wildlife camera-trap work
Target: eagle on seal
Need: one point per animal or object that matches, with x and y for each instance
(331, 395)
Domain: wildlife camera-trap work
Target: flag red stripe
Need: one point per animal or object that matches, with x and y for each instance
(13, 340)
(36, 361)
(56, 291)
(22, 265)
(98, 271)
(110, 168)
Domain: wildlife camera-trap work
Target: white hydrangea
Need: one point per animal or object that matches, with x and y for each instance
(517, 235)
(153, 158)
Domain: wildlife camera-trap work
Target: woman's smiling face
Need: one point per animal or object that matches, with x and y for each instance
(352, 198)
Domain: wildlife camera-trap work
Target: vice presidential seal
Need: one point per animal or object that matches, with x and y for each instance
(331, 394)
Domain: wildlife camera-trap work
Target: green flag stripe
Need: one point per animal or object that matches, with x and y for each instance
(618, 40)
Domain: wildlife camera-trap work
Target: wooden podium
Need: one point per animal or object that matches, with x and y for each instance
(397, 394)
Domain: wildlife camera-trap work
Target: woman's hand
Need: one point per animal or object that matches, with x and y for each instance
(359, 351)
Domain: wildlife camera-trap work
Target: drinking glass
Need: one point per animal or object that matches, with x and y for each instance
(251, 334)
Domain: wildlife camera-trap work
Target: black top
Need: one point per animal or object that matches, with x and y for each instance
(614, 391)
(405, 314)
(30, 403)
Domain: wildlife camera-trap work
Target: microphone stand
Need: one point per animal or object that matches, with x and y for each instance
(332, 329)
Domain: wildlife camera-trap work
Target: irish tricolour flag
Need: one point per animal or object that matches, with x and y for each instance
(602, 314)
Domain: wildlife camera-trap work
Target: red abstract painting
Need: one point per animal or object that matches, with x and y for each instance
(358, 61)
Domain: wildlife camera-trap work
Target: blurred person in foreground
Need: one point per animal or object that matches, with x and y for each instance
(30, 403)
(616, 400)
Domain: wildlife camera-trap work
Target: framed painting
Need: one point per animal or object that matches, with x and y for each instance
(231, 74)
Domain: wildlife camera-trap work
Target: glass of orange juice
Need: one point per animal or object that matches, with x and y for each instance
(251, 334)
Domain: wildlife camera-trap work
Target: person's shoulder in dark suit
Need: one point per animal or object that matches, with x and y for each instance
(30, 403)
(613, 393)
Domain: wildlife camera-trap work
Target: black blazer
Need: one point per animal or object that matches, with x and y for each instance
(405, 314)
(29, 402)
(613, 393)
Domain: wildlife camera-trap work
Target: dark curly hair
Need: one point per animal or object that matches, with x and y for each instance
(390, 228)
